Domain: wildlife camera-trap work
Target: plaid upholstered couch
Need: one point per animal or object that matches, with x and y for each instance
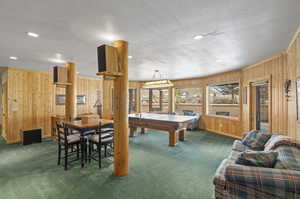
(283, 181)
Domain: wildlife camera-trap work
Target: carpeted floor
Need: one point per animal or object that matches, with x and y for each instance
(156, 170)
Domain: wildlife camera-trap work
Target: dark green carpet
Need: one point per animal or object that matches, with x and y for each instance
(156, 170)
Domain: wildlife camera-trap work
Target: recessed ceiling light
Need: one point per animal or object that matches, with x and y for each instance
(32, 34)
(198, 37)
(13, 58)
(129, 57)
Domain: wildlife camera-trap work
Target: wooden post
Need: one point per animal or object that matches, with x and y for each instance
(150, 100)
(161, 100)
(121, 141)
(107, 98)
(71, 91)
(171, 100)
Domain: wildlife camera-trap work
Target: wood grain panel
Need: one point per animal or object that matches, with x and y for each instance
(274, 70)
(293, 71)
(31, 100)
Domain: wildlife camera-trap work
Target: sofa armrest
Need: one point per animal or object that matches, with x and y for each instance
(286, 180)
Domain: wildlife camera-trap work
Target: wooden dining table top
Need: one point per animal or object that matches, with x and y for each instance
(79, 124)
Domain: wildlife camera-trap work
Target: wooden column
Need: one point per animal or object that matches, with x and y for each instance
(71, 91)
(121, 141)
(150, 100)
(161, 96)
(138, 102)
(171, 100)
(107, 98)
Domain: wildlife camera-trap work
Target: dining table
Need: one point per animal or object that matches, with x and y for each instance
(83, 128)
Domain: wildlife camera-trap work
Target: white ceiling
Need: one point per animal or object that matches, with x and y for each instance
(160, 33)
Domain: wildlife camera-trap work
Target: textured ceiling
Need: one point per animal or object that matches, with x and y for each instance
(160, 33)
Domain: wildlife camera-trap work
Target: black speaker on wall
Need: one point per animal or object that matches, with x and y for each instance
(60, 74)
(101, 58)
(107, 59)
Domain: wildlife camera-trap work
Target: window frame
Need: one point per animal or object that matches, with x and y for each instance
(190, 104)
(207, 104)
(135, 98)
(194, 107)
(150, 102)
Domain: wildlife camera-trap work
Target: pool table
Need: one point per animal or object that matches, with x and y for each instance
(174, 124)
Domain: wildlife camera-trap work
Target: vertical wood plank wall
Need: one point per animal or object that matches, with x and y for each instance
(275, 69)
(293, 71)
(31, 100)
(85, 86)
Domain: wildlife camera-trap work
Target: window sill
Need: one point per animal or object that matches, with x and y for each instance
(225, 117)
(188, 104)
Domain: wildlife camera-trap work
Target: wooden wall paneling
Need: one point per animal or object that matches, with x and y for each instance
(31, 101)
(275, 68)
(107, 98)
(293, 71)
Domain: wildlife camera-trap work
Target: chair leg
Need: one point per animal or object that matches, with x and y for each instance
(99, 154)
(66, 157)
(59, 154)
(90, 151)
(85, 151)
(77, 150)
(105, 150)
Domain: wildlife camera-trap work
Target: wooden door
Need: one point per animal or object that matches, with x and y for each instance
(4, 110)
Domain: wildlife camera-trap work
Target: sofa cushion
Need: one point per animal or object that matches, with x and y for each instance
(280, 140)
(239, 146)
(219, 178)
(256, 140)
(288, 158)
(234, 155)
(258, 158)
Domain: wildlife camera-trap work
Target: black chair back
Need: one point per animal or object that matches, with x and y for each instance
(62, 133)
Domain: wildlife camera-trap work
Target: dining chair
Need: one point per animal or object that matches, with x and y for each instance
(103, 138)
(67, 141)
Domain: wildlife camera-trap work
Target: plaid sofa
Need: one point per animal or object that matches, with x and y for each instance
(235, 181)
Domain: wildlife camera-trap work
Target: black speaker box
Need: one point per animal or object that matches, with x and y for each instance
(107, 59)
(32, 136)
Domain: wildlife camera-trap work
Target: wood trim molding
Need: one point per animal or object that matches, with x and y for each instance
(258, 79)
(250, 104)
(222, 133)
(293, 39)
(265, 60)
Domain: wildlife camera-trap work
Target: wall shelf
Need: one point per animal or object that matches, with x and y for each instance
(62, 84)
(114, 74)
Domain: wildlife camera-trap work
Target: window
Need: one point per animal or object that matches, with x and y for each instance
(188, 98)
(132, 100)
(145, 100)
(154, 100)
(224, 100)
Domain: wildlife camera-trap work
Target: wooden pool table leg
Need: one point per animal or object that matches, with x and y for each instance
(132, 131)
(172, 138)
(143, 130)
(182, 133)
